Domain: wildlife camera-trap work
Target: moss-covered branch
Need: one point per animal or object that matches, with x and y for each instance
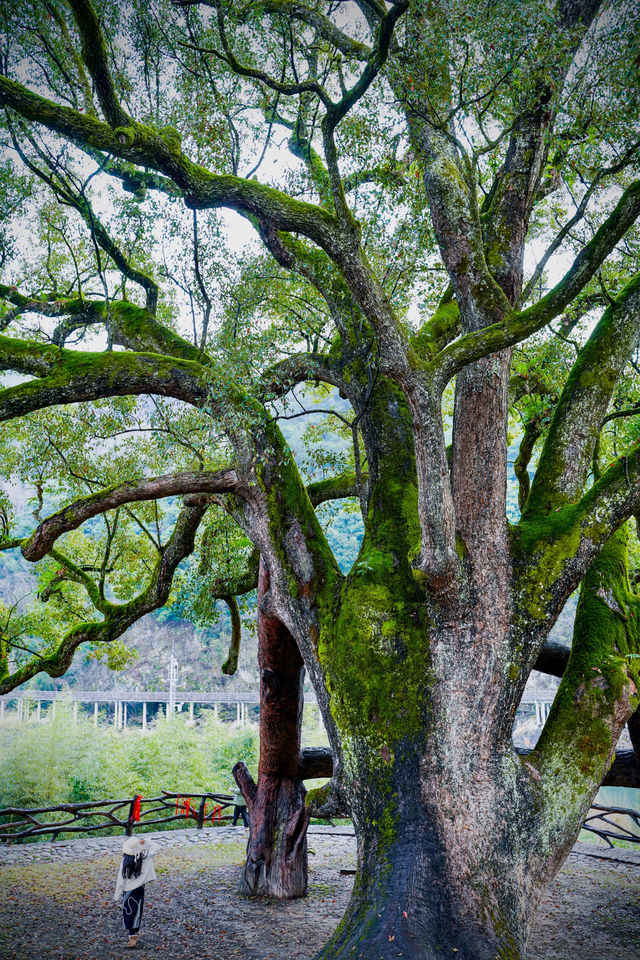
(555, 551)
(94, 54)
(439, 329)
(334, 488)
(532, 430)
(70, 376)
(517, 182)
(119, 616)
(597, 694)
(322, 25)
(133, 491)
(83, 311)
(519, 325)
(160, 150)
(302, 368)
(568, 450)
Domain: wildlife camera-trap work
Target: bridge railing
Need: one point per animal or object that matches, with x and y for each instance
(194, 809)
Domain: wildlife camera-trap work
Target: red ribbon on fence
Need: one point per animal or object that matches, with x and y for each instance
(134, 809)
(190, 811)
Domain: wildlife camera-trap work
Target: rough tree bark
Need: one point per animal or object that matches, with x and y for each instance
(276, 863)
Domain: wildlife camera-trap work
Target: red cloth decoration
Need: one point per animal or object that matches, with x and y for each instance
(135, 812)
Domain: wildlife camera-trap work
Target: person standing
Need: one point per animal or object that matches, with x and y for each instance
(240, 808)
(134, 872)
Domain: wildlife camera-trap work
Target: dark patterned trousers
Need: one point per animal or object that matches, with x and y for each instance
(132, 904)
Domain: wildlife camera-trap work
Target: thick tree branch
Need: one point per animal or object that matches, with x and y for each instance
(94, 54)
(334, 488)
(317, 762)
(519, 325)
(564, 544)
(133, 491)
(438, 330)
(532, 430)
(160, 150)
(514, 193)
(323, 26)
(567, 453)
(553, 658)
(598, 692)
(302, 368)
(231, 663)
(120, 616)
(71, 376)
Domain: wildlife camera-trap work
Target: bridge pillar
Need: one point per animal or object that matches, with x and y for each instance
(75, 711)
(191, 712)
(144, 716)
(53, 710)
(216, 712)
(95, 714)
(39, 711)
(124, 723)
(238, 714)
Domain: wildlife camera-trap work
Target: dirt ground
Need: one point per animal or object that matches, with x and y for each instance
(63, 908)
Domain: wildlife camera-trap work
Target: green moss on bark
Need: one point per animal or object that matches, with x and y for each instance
(599, 690)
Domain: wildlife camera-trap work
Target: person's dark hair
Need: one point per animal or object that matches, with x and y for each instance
(132, 865)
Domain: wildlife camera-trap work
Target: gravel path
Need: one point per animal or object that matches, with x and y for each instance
(57, 902)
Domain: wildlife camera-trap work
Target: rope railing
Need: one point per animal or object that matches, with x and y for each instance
(193, 808)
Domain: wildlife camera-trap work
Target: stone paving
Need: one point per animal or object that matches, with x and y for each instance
(65, 851)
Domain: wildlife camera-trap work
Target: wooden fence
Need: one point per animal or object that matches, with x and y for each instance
(611, 824)
(195, 809)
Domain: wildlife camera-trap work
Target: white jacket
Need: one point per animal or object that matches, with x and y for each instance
(147, 873)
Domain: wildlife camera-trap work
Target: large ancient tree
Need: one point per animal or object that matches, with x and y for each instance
(431, 145)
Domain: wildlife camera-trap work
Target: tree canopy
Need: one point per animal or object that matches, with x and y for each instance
(437, 244)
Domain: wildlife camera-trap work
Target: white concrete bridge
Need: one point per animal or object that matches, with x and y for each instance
(33, 705)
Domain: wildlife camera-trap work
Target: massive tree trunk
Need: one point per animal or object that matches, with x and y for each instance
(432, 883)
(276, 864)
(458, 834)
